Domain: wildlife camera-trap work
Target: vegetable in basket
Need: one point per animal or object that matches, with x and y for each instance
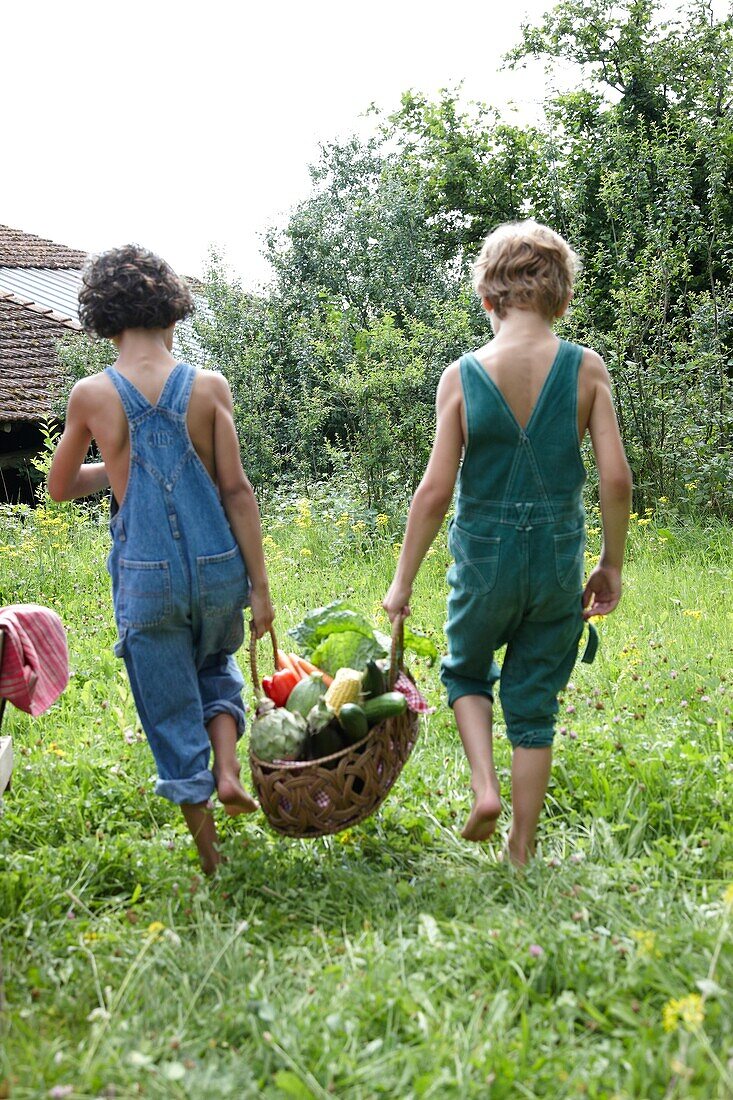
(338, 636)
(389, 705)
(277, 734)
(279, 686)
(346, 688)
(324, 732)
(306, 694)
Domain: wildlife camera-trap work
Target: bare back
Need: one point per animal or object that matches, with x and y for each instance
(519, 370)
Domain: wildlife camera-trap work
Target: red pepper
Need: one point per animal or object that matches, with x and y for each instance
(278, 686)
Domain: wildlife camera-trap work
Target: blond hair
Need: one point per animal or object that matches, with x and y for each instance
(525, 265)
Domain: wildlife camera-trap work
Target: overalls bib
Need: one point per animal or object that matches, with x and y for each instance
(518, 539)
(179, 586)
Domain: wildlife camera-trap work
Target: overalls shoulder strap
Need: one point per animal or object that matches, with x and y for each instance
(132, 400)
(176, 392)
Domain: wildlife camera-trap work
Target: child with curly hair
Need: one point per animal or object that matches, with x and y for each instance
(187, 552)
(511, 417)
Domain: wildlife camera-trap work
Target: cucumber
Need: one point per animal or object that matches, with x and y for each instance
(388, 705)
(353, 722)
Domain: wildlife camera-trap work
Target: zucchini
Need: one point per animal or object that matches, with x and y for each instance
(388, 705)
(353, 722)
(375, 682)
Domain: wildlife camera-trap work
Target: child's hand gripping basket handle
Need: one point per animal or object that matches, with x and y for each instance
(397, 651)
(253, 660)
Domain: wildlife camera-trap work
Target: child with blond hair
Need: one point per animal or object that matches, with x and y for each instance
(511, 417)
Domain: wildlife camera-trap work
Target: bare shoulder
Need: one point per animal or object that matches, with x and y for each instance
(87, 394)
(449, 386)
(213, 385)
(593, 368)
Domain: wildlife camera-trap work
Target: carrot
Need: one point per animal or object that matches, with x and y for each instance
(308, 668)
(295, 662)
(283, 661)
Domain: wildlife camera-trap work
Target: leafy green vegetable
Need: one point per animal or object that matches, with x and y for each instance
(324, 621)
(338, 636)
(346, 650)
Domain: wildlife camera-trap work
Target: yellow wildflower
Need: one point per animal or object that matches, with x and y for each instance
(663, 500)
(643, 522)
(306, 553)
(646, 943)
(358, 527)
(689, 1011)
(691, 485)
(728, 896)
(382, 520)
(692, 614)
(155, 928)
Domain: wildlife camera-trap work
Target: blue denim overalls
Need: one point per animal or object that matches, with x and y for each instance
(179, 585)
(518, 539)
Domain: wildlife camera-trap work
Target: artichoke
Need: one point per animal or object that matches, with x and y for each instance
(277, 734)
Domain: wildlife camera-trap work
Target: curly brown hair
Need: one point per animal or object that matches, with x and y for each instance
(131, 287)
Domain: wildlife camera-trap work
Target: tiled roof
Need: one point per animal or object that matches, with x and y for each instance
(19, 249)
(30, 377)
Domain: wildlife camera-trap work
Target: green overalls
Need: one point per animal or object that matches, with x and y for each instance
(518, 539)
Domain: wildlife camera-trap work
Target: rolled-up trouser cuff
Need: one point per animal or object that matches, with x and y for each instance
(198, 788)
(531, 739)
(223, 706)
(467, 687)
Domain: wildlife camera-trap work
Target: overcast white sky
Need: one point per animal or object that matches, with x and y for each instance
(185, 125)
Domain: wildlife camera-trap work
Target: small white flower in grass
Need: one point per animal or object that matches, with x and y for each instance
(59, 1091)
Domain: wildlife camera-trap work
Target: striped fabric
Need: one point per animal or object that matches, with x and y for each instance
(35, 660)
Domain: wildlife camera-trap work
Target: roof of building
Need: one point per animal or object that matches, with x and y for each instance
(56, 289)
(30, 379)
(21, 249)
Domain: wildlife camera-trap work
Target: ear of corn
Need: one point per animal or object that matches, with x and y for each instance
(346, 688)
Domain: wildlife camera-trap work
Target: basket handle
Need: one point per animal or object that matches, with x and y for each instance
(253, 657)
(397, 651)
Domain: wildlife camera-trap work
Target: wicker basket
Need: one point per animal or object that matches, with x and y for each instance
(306, 798)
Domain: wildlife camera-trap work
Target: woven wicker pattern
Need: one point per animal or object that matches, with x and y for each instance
(318, 797)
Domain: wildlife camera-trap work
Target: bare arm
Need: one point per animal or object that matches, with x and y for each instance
(603, 590)
(433, 495)
(70, 477)
(240, 505)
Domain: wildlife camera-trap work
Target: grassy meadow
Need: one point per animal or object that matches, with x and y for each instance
(395, 959)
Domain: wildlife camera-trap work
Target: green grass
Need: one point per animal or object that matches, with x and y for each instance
(393, 960)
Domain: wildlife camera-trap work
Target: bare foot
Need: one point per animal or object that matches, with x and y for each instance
(481, 821)
(518, 855)
(234, 798)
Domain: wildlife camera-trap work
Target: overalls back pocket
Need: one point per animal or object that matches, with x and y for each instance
(223, 585)
(570, 559)
(144, 594)
(475, 561)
